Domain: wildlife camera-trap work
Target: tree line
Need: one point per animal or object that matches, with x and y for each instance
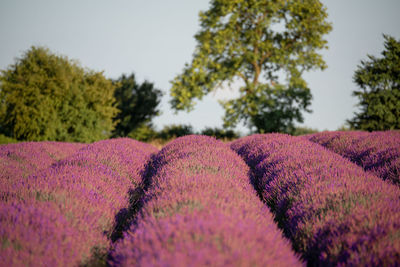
(45, 96)
(268, 45)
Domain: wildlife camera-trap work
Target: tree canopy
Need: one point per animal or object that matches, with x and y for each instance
(44, 96)
(138, 104)
(378, 80)
(267, 45)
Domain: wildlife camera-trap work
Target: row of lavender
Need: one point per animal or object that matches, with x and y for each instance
(19, 161)
(27, 158)
(377, 152)
(62, 214)
(200, 209)
(334, 212)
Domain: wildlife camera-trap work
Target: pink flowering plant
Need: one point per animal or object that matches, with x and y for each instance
(200, 209)
(334, 212)
(326, 199)
(64, 214)
(376, 152)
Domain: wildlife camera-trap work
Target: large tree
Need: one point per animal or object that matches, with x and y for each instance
(44, 96)
(138, 104)
(379, 90)
(267, 45)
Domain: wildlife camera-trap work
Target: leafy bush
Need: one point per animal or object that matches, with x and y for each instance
(44, 96)
(174, 131)
(6, 140)
(219, 133)
(144, 132)
(303, 130)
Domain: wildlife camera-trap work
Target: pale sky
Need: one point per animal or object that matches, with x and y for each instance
(154, 39)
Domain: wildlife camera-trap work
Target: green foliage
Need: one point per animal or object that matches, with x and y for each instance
(174, 131)
(303, 131)
(137, 103)
(145, 132)
(260, 42)
(345, 127)
(277, 109)
(44, 96)
(6, 140)
(379, 90)
(220, 133)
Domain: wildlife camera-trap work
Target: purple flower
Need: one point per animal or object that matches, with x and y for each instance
(377, 152)
(60, 215)
(200, 209)
(334, 212)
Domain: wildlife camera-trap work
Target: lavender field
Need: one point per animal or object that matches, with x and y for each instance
(326, 199)
(377, 152)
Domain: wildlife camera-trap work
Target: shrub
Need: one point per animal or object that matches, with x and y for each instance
(6, 140)
(174, 131)
(44, 96)
(219, 133)
(145, 133)
(303, 131)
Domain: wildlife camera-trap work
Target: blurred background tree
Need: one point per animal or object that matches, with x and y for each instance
(378, 80)
(6, 140)
(138, 104)
(175, 130)
(303, 130)
(268, 45)
(44, 96)
(220, 133)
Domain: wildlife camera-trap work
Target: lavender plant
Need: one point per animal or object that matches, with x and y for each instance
(334, 212)
(200, 209)
(65, 213)
(23, 159)
(18, 161)
(377, 152)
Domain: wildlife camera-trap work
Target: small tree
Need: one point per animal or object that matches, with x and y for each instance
(44, 96)
(138, 105)
(379, 90)
(259, 42)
